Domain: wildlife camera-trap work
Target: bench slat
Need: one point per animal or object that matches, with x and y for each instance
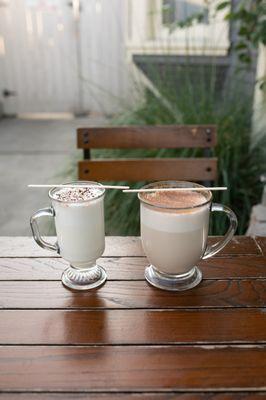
(169, 136)
(195, 169)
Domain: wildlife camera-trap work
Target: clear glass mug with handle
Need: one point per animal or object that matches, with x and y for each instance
(80, 235)
(174, 239)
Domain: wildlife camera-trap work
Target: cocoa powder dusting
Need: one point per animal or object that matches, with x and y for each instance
(77, 194)
(174, 199)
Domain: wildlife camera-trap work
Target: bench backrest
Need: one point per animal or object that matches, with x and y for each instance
(148, 169)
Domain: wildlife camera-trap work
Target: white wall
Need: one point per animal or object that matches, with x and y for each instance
(150, 36)
(39, 55)
(104, 64)
(259, 116)
(38, 60)
(60, 60)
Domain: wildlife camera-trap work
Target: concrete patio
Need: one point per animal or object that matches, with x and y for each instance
(34, 151)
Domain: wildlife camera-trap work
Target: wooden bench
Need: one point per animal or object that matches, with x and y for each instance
(148, 169)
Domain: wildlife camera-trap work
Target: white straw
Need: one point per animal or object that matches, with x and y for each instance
(79, 186)
(173, 189)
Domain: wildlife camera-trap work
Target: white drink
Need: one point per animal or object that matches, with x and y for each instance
(79, 225)
(174, 239)
(78, 211)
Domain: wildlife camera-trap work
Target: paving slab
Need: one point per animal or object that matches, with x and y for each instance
(34, 151)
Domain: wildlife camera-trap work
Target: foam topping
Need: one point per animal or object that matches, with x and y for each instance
(182, 199)
(77, 194)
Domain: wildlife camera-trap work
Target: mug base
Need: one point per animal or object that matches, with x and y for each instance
(84, 279)
(173, 282)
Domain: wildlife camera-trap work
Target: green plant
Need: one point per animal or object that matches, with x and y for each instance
(240, 163)
(195, 95)
(250, 16)
(192, 101)
(250, 19)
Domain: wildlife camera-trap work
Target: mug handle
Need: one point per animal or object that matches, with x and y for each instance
(215, 248)
(43, 212)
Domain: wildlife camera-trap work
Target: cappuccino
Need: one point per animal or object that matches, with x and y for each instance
(79, 222)
(174, 229)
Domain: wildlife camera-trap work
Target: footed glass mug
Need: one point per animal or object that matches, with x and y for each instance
(174, 238)
(80, 236)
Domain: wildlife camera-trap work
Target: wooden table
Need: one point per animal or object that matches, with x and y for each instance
(128, 340)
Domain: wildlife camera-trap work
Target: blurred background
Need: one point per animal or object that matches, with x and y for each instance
(67, 64)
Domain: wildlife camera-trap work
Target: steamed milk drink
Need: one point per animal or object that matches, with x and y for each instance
(174, 229)
(79, 222)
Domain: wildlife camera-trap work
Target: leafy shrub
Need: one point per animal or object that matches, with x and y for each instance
(240, 162)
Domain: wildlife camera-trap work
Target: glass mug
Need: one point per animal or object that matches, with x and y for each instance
(175, 239)
(80, 236)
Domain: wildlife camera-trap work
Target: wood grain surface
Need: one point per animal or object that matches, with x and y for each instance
(120, 246)
(128, 340)
(128, 268)
(261, 243)
(148, 169)
(135, 396)
(119, 326)
(171, 136)
(126, 368)
(133, 294)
